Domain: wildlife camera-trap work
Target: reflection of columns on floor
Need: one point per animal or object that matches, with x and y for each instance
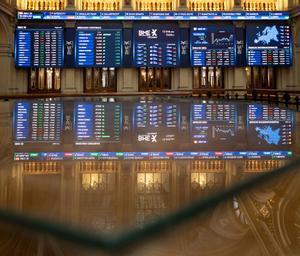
(232, 170)
(70, 4)
(64, 185)
(15, 197)
(181, 172)
(74, 193)
(4, 182)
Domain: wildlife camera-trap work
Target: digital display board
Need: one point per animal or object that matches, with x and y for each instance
(269, 126)
(214, 124)
(268, 45)
(178, 155)
(156, 124)
(156, 45)
(97, 123)
(131, 15)
(212, 45)
(37, 122)
(149, 125)
(98, 47)
(39, 47)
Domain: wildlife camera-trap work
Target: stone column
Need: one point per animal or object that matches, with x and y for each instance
(182, 5)
(237, 5)
(127, 5)
(70, 5)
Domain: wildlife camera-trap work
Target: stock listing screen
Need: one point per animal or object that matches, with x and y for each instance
(212, 46)
(97, 123)
(98, 47)
(152, 126)
(269, 45)
(37, 122)
(269, 126)
(215, 125)
(156, 124)
(39, 47)
(156, 45)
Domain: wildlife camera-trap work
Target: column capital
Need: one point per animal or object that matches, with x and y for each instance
(237, 5)
(70, 5)
(182, 5)
(127, 5)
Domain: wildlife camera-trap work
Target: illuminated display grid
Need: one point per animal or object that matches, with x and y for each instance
(98, 47)
(97, 123)
(111, 15)
(269, 45)
(230, 155)
(156, 124)
(156, 45)
(213, 123)
(213, 46)
(37, 122)
(269, 126)
(39, 47)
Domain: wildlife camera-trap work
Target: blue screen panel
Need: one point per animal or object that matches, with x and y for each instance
(269, 126)
(156, 125)
(37, 122)
(215, 125)
(156, 45)
(39, 47)
(97, 123)
(98, 47)
(212, 46)
(166, 16)
(269, 45)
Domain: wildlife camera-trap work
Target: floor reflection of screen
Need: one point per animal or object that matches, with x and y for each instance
(269, 126)
(37, 122)
(156, 124)
(97, 123)
(212, 124)
(150, 129)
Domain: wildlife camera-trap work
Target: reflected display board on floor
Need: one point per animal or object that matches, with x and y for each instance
(214, 123)
(156, 124)
(151, 126)
(97, 123)
(80, 156)
(270, 126)
(37, 122)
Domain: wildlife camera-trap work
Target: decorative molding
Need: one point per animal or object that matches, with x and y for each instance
(8, 9)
